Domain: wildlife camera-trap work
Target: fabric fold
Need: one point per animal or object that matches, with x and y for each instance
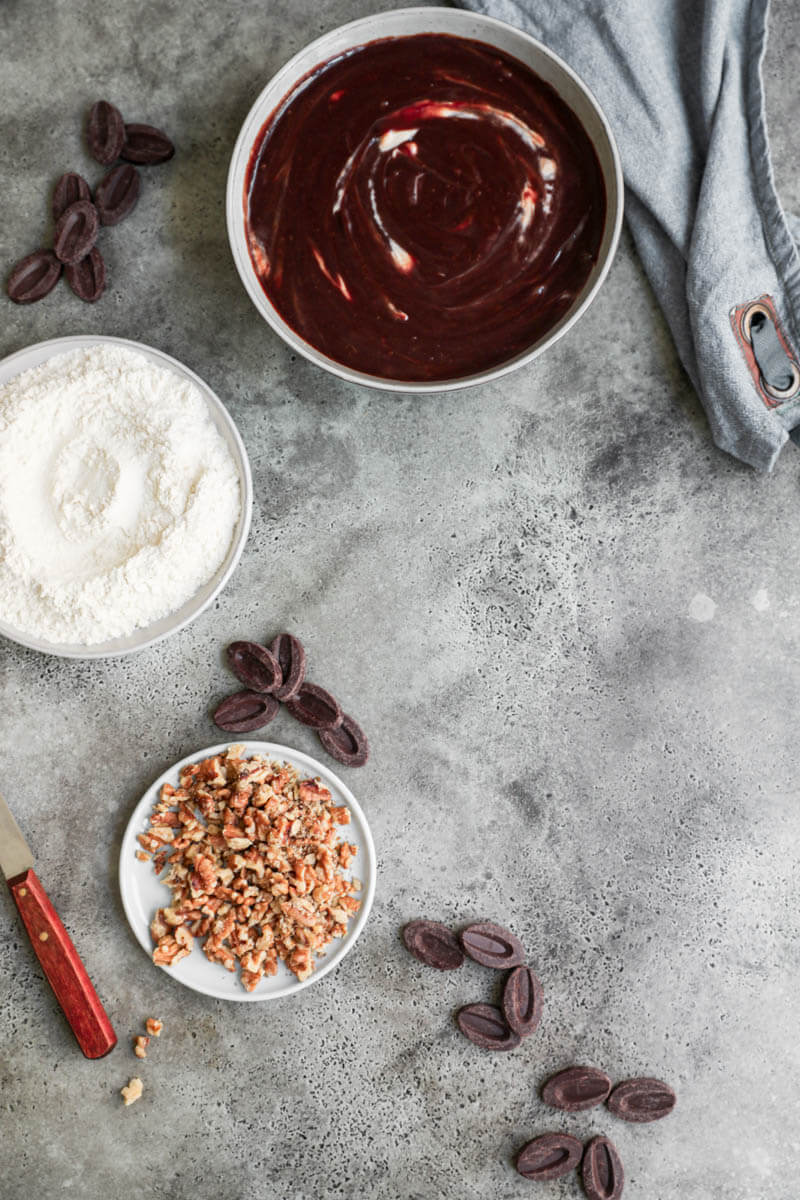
(681, 84)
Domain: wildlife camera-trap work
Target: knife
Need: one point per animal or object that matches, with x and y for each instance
(65, 972)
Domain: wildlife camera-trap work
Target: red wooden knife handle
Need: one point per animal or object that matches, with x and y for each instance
(65, 972)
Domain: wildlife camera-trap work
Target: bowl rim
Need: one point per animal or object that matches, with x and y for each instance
(283, 80)
(59, 345)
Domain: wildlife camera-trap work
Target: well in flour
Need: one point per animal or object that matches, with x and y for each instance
(118, 496)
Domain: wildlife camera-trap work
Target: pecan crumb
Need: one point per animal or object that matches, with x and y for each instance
(132, 1092)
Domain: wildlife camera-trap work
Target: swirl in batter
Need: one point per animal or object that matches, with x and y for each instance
(423, 208)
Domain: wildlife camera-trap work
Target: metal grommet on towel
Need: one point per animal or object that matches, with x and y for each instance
(771, 361)
(784, 393)
(746, 318)
(778, 373)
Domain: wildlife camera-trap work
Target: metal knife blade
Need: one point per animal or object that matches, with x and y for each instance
(15, 854)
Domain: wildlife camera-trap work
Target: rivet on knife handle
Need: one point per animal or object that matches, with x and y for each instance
(65, 972)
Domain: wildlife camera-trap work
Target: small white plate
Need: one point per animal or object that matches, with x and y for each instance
(148, 635)
(143, 893)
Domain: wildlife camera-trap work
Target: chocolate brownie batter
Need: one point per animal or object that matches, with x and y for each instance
(422, 208)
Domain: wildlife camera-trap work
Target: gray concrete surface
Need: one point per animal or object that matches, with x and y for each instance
(507, 586)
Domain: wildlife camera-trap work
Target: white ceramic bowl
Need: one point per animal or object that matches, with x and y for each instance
(148, 635)
(400, 23)
(143, 893)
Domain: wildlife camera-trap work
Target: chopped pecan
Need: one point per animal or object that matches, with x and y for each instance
(347, 851)
(206, 871)
(158, 926)
(132, 1092)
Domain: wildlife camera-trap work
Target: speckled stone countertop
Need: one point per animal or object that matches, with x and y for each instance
(571, 628)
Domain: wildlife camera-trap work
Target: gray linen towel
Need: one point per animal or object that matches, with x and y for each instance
(680, 82)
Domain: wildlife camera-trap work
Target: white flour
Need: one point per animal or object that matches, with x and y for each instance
(118, 497)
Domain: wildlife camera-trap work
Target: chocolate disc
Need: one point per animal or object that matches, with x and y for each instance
(347, 743)
(255, 665)
(106, 132)
(117, 193)
(76, 232)
(244, 711)
(33, 277)
(486, 1026)
(315, 707)
(88, 277)
(292, 658)
(70, 187)
(146, 145)
(492, 946)
(549, 1156)
(602, 1173)
(642, 1100)
(576, 1089)
(523, 1000)
(433, 944)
